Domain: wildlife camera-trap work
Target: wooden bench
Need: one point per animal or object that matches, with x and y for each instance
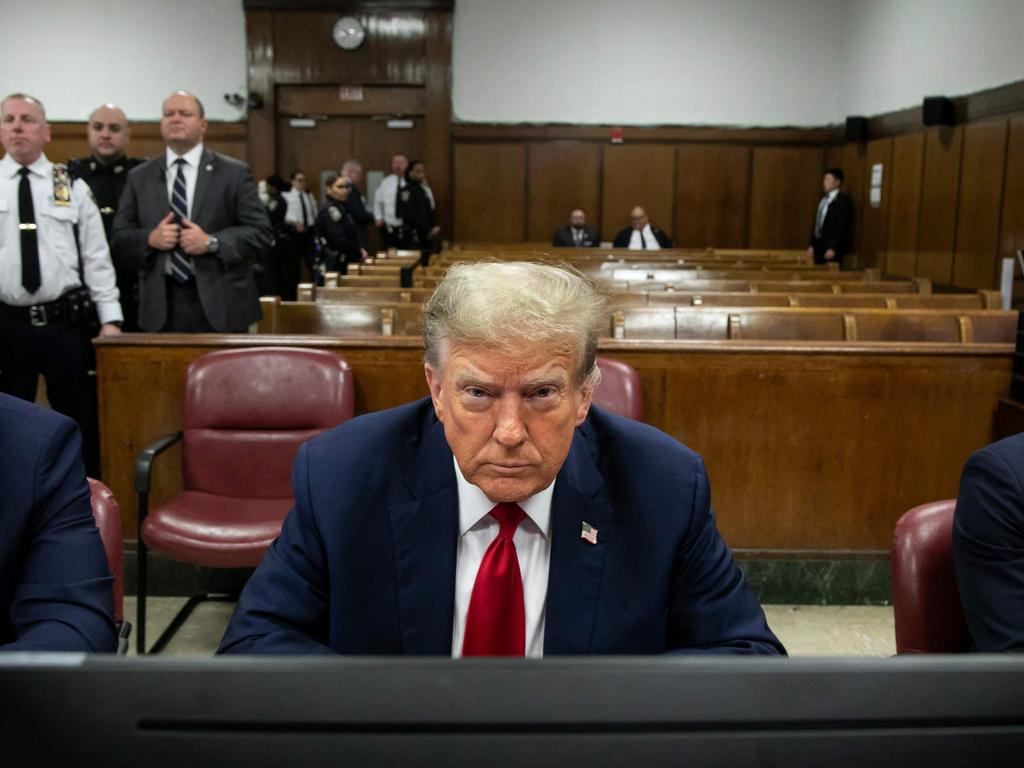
(339, 319)
(724, 323)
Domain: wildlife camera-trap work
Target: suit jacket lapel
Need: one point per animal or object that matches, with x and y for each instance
(574, 576)
(426, 533)
(207, 161)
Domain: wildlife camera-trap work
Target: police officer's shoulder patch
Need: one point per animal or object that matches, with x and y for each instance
(404, 194)
(334, 213)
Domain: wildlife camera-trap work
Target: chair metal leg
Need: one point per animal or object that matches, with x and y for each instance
(182, 615)
(140, 603)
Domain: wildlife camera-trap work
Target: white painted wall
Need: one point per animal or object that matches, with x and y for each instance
(77, 54)
(744, 62)
(896, 52)
(724, 62)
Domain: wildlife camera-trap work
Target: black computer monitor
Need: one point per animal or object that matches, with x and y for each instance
(922, 711)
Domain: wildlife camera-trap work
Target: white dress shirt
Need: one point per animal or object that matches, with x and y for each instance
(385, 199)
(293, 214)
(55, 237)
(477, 529)
(826, 201)
(649, 242)
(190, 169)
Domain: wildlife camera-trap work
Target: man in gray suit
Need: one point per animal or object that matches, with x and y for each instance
(190, 221)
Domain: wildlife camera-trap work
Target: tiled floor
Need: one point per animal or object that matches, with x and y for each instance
(805, 630)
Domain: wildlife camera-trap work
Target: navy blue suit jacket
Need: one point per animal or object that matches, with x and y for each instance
(56, 591)
(365, 563)
(988, 545)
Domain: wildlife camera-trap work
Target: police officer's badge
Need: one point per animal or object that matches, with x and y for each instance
(61, 185)
(334, 213)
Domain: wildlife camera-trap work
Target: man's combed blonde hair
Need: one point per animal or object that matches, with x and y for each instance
(504, 305)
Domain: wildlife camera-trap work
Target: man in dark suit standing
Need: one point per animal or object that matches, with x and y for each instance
(503, 515)
(577, 234)
(833, 222)
(355, 205)
(988, 545)
(192, 223)
(56, 591)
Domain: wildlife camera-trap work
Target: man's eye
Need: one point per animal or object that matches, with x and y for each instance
(544, 392)
(476, 392)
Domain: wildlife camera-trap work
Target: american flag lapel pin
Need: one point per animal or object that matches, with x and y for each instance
(588, 533)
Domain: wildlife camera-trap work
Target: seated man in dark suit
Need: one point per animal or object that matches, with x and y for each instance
(503, 515)
(577, 234)
(56, 591)
(988, 545)
(641, 235)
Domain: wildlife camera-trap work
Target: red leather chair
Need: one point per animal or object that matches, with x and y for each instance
(246, 413)
(107, 515)
(925, 599)
(619, 390)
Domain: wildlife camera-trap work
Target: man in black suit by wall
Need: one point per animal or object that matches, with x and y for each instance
(577, 234)
(832, 232)
(191, 221)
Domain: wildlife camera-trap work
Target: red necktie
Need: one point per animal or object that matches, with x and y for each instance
(496, 619)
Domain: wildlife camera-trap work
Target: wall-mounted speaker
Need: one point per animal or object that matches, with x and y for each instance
(937, 110)
(856, 129)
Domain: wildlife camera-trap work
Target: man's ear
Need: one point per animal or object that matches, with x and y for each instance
(586, 398)
(434, 384)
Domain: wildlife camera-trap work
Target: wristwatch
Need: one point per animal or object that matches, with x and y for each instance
(212, 244)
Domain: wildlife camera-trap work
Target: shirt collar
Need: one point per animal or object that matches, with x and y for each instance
(474, 505)
(832, 195)
(9, 167)
(192, 157)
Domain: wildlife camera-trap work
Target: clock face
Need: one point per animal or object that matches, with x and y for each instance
(348, 33)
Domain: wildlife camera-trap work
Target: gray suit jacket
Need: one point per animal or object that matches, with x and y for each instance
(227, 207)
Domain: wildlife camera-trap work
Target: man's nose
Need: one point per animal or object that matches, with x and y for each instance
(510, 429)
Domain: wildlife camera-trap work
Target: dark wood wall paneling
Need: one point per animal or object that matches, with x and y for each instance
(785, 189)
(636, 174)
(940, 185)
(905, 203)
(562, 175)
(490, 192)
(873, 222)
(712, 200)
(1012, 229)
(980, 203)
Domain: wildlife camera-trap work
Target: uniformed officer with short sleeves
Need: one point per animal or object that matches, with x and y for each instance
(105, 171)
(56, 277)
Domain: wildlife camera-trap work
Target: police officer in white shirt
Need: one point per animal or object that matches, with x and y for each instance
(57, 280)
(385, 199)
(300, 217)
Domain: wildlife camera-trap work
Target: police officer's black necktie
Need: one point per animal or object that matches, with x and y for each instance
(30, 274)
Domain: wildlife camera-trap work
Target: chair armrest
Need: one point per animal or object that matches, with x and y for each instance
(144, 464)
(124, 631)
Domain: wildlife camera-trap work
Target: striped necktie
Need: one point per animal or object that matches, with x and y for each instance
(181, 263)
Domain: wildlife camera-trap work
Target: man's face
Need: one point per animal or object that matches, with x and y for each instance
(340, 189)
(398, 164)
(299, 182)
(23, 130)
(181, 126)
(508, 417)
(354, 173)
(418, 173)
(577, 218)
(830, 182)
(108, 133)
(638, 218)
